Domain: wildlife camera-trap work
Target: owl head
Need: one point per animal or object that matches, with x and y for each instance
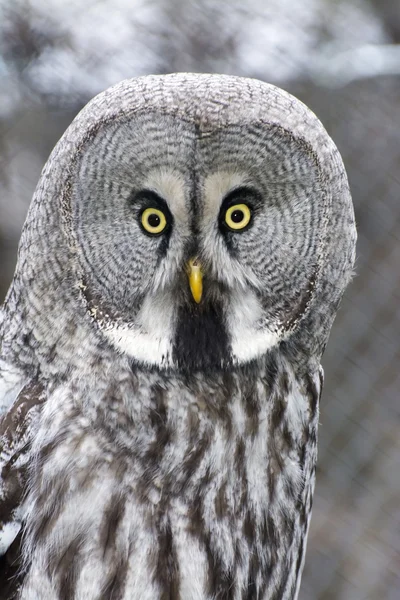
(195, 221)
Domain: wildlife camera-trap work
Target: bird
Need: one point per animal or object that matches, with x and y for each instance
(179, 271)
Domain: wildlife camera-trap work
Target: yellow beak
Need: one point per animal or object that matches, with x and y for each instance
(195, 279)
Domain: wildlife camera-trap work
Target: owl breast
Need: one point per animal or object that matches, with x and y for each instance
(143, 493)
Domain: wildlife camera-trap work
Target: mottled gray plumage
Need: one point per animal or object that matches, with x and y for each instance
(154, 448)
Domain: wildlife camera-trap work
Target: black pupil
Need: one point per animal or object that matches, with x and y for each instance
(237, 216)
(153, 220)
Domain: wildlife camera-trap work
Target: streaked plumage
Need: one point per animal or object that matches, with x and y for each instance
(157, 445)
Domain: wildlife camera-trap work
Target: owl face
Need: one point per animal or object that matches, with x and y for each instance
(197, 250)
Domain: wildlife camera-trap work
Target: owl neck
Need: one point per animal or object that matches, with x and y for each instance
(175, 487)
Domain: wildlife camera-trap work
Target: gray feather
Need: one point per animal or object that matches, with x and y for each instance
(174, 455)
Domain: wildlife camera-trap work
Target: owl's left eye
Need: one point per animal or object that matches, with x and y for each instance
(153, 221)
(237, 216)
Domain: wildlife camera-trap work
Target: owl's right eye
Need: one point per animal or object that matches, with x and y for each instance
(153, 221)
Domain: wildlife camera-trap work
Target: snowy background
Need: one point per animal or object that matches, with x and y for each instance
(342, 58)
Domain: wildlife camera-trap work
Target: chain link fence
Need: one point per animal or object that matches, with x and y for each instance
(342, 60)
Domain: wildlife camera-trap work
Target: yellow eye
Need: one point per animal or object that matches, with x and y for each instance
(153, 221)
(238, 216)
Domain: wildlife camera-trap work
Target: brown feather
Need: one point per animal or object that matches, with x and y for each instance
(15, 433)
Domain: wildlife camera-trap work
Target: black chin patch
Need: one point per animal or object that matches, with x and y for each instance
(201, 339)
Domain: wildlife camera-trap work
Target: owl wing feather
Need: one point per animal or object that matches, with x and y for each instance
(16, 426)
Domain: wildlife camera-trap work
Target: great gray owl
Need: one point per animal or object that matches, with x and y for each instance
(178, 275)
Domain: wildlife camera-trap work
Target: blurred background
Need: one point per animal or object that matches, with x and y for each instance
(342, 58)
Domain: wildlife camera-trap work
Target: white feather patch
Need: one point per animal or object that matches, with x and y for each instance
(11, 383)
(249, 340)
(143, 347)
(8, 534)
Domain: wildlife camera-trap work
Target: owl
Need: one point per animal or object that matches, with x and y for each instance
(178, 274)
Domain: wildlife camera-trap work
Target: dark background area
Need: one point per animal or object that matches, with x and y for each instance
(342, 59)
